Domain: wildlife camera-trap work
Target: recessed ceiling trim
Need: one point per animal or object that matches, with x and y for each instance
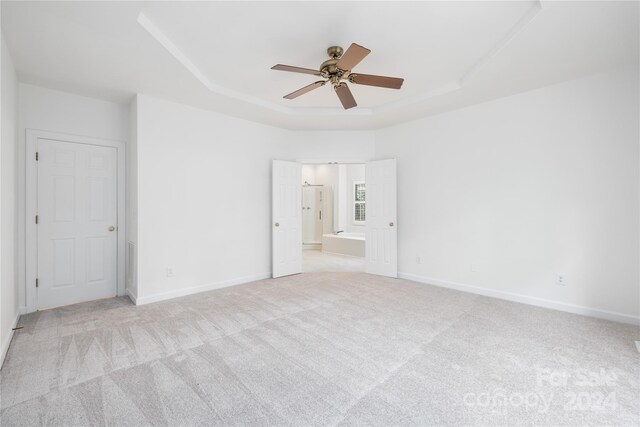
(171, 47)
(511, 34)
(458, 84)
(473, 70)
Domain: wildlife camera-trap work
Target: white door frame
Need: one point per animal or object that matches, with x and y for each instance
(328, 161)
(31, 187)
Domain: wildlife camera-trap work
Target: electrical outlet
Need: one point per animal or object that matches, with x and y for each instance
(561, 279)
(474, 267)
(418, 260)
(170, 272)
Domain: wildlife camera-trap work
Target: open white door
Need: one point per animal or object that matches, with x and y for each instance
(381, 228)
(287, 218)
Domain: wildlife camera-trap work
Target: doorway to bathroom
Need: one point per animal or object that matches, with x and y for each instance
(333, 208)
(363, 211)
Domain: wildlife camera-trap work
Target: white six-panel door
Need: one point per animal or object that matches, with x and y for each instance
(77, 222)
(286, 218)
(381, 228)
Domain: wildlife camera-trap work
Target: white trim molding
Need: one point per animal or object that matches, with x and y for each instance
(525, 299)
(155, 32)
(5, 345)
(31, 195)
(132, 297)
(197, 289)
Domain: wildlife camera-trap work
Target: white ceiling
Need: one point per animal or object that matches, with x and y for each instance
(217, 55)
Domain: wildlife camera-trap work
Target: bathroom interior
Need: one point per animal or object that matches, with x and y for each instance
(333, 217)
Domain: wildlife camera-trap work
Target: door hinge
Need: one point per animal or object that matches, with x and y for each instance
(36, 219)
(37, 282)
(37, 157)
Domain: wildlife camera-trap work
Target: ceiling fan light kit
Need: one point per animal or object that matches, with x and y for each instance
(337, 71)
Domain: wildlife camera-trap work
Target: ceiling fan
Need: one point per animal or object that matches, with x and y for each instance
(338, 68)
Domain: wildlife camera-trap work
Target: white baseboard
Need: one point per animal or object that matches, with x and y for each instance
(7, 342)
(197, 289)
(132, 297)
(525, 299)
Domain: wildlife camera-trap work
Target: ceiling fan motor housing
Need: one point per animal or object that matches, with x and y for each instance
(329, 69)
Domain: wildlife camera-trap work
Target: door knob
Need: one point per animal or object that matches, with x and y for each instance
(391, 224)
(111, 228)
(277, 224)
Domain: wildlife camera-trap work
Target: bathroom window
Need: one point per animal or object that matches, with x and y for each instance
(359, 202)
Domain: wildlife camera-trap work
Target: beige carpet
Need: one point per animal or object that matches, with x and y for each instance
(320, 349)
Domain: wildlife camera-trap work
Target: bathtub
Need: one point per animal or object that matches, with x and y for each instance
(351, 244)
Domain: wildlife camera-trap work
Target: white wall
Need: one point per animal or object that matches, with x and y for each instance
(524, 187)
(55, 111)
(9, 310)
(204, 194)
(332, 146)
(343, 199)
(308, 174)
(355, 173)
(327, 175)
(519, 188)
(50, 110)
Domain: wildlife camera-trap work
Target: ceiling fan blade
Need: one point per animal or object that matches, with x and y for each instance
(345, 95)
(379, 81)
(293, 69)
(305, 89)
(352, 57)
